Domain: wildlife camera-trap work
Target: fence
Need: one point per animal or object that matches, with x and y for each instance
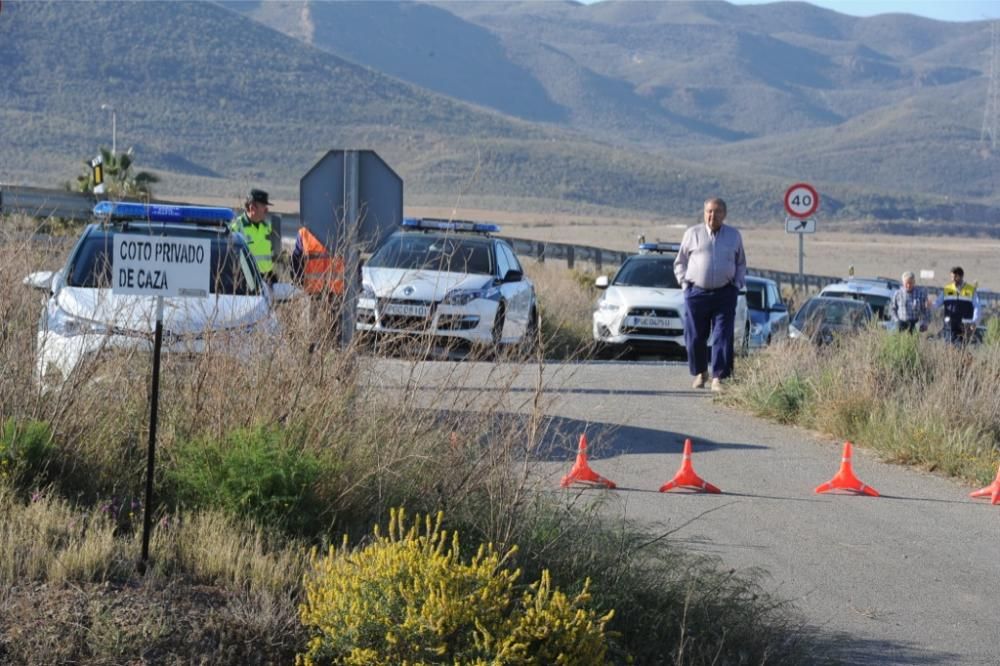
(40, 202)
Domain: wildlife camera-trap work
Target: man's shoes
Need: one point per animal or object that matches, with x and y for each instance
(699, 380)
(716, 384)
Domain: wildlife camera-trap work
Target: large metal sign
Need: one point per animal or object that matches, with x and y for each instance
(351, 200)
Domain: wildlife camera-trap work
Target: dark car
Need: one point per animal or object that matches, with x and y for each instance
(822, 319)
(767, 314)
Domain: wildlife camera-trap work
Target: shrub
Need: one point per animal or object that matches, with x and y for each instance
(252, 473)
(25, 451)
(409, 598)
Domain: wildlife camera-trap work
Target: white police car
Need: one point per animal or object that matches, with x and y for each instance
(451, 280)
(642, 308)
(876, 292)
(84, 322)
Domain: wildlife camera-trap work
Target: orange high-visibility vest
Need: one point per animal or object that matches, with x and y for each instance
(320, 271)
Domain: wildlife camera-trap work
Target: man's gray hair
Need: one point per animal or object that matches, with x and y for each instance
(717, 201)
(908, 275)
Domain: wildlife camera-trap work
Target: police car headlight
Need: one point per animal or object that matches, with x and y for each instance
(607, 306)
(367, 291)
(63, 323)
(463, 296)
(756, 329)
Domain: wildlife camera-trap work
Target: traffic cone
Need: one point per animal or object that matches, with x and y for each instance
(686, 476)
(845, 479)
(581, 469)
(992, 491)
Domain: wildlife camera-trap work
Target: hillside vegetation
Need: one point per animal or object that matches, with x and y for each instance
(501, 105)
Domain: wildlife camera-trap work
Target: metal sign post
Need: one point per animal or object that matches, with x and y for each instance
(158, 266)
(801, 201)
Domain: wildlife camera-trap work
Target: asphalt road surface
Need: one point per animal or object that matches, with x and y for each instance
(911, 577)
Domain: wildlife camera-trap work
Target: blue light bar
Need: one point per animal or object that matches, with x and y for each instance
(450, 225)
(660, 247)
(127, 210)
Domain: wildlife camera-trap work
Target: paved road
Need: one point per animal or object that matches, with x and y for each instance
(912, 577)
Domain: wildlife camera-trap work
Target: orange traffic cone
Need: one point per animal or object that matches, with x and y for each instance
(992, 491)
(686, 476)
(845, 479)
(581, 469)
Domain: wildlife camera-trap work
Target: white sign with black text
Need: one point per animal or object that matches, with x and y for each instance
(793, 226)
(161, 266)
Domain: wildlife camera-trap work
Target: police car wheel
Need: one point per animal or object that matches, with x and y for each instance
(498, 322)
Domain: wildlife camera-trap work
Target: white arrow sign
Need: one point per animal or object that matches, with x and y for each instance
(794, 226)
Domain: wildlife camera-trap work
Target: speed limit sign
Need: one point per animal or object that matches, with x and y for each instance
(801, 200)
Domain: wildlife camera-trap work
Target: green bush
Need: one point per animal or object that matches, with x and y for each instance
(408, 598)
(992, 336)
(898, 357)
(789, 398)
(25, 451)
(255, 473)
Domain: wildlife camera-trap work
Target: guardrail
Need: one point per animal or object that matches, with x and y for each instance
(41, 202)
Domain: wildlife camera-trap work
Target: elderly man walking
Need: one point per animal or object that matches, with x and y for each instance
(711, 267)
(909, 307)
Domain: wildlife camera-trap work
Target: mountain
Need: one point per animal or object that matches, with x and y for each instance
(788, 89)
(216, 97)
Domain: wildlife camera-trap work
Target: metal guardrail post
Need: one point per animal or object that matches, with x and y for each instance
(540, 252)
(570, 256)
(598, 259)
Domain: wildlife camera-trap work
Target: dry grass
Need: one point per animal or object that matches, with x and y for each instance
(918, 400)
(387, 432)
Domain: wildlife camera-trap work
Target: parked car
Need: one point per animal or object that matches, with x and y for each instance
(876, 292)
(83, 321)
(768, 314)
(451, 280)
(822, 319)
(642, 308)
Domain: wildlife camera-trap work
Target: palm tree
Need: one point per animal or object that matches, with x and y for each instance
(119, 179)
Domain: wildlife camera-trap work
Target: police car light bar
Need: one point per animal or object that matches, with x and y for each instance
(660, 247)
(127, 210)
(450, 225)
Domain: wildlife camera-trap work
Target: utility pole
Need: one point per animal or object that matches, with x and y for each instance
(991, 115)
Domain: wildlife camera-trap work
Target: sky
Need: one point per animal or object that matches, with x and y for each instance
(942, 10)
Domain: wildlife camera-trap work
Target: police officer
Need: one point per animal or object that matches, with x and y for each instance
(961, 308)
(254, 225)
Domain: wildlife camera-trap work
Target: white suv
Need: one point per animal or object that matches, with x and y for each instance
(642, 308)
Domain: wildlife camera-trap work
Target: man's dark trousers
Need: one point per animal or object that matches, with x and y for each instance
(708, 310)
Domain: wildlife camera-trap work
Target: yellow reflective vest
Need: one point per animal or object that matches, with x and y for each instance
(258, 237)
(958, 302)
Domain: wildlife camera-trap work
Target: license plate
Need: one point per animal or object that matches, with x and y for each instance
(649, 322)
(402, 309)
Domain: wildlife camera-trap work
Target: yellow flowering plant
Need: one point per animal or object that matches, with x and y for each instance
(407, 598)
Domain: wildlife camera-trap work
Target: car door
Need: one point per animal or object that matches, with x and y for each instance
(777, 311)
(517, 294)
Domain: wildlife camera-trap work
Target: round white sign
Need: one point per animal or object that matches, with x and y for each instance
(801, 200)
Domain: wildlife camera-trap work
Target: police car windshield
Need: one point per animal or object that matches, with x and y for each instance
(421, 251)
(232, 267)
(647, 271)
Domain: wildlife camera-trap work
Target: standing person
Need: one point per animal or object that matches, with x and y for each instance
(711, 267)
(908, 306)
(321, 275)
(961, 308)
(255, 226)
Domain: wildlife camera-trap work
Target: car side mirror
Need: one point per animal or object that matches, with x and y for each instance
(601, 282)
(779, 307)
(513, 275)
(40, 280)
